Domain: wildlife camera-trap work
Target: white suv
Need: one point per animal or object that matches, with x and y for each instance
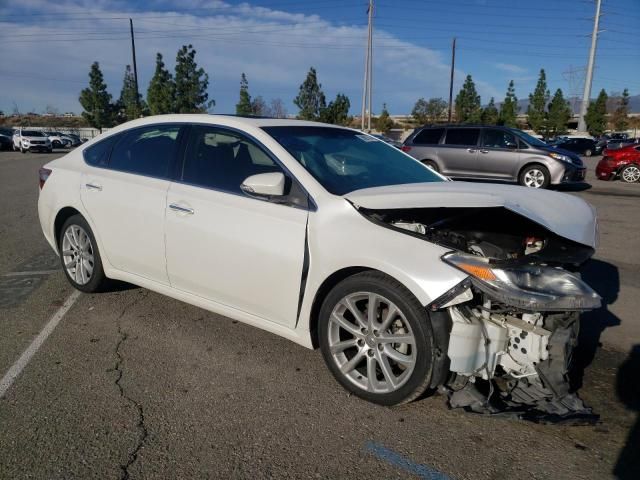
(31, 140)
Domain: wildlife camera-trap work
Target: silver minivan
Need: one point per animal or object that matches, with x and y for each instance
(493, 153)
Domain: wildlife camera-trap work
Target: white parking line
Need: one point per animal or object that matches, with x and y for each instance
(22, 362)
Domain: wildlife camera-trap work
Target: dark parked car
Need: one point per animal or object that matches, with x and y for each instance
(6, 138)
(493, 153)
(623, 163)
(581, 146)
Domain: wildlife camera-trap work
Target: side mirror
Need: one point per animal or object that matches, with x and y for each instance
(264, 184)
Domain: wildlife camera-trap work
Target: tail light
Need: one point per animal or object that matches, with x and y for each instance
(405, 148)
(43, 174)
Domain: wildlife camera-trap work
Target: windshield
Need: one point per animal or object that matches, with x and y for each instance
(533, 141)
(31, 133)
(345, 160)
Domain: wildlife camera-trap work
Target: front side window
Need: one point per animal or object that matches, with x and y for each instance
(222, 159)
(343, 160)
(146, 151)
(495, 138)
(462, 136)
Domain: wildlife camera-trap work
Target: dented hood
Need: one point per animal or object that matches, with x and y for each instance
(565, 215)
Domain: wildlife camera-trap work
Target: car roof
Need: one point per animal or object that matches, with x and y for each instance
(229, 120)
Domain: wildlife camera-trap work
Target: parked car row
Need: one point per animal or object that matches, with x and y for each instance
(26, 139)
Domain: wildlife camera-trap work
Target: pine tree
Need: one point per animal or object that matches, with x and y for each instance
(243, 107)
(96, 101)
(490, 113)
(509, 108)
(337, 112)
(191, 83)
(130, 104)
(384, 122)
(596, 117)
(161, 91)
(310, 100)
(620, 118)
(468, 108)
(537, 105)
(558, 116)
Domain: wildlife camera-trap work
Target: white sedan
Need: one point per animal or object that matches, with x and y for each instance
(329, 237)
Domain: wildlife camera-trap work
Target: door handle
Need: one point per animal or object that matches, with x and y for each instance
(471, 150)
(178, 208)
(93, 186)
(484, 151)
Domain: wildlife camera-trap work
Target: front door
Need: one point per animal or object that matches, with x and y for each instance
(230, 248)
(498, 156)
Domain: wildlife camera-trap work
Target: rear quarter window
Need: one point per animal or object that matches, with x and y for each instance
(429, 136)
(97, 155)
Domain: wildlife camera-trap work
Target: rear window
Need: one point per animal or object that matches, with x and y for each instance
(146, 150)
(429, 136)
(462, 136)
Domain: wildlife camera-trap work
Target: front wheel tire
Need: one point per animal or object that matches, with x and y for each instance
(376, 339)
(80, 257)
(535, 176)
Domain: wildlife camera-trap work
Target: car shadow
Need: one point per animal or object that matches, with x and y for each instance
(573, 187)
(628, 390)
(604, 278)
(118, 286)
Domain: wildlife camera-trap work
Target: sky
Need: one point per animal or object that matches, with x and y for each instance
(48, 47)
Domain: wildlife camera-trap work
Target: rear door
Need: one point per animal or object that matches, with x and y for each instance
(459, 152)
(124, 191)
(498, 156)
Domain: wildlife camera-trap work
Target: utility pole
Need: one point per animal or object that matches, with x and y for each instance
(135, 68)
(586, 97)
(453, 66)
(366, 89)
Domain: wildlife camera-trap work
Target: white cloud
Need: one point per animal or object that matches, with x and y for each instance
(509, 67)
(274, 48)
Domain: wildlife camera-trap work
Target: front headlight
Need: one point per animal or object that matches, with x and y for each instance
(560, 157)
(529, 287)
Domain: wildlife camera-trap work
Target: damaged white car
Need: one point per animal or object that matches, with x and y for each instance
(329, 237)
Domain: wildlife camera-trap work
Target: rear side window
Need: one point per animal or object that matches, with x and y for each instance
(97, 155)
(146, 151)
(462, 136)
(429, 136)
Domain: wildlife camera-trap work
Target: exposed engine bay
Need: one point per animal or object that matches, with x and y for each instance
(504, 336)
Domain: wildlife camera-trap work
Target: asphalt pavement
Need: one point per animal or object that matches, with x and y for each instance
(131, 384)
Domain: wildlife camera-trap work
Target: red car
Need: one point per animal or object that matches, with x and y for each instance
(623, 163)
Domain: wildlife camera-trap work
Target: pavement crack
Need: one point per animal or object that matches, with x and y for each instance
(141, 426)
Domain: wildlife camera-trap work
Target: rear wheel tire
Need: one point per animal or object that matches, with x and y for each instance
(535, 176)
(80, 257)
(431, 164)
(630, 174)
(383, 354)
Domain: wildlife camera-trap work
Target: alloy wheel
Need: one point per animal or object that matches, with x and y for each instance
(371, 342)
(631, 174)
(534, 178)
(77, 254)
